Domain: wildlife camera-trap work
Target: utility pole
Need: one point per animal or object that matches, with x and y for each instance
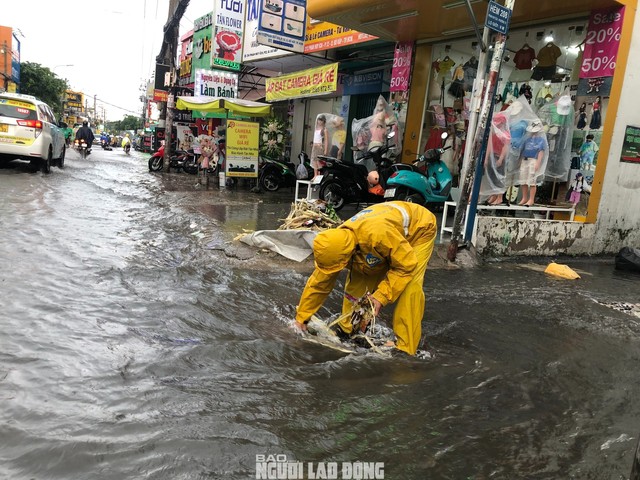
(476, 140)
(167, 56)
(95, 112)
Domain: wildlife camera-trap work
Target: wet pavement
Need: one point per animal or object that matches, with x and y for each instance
(139, 341)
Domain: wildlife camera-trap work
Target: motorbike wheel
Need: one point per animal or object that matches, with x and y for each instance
(333, 193)
(83, 153)
(270, 182)
(155, 164)
(409, 197)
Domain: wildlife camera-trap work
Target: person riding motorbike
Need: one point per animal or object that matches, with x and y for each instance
(126, 143)
(68, 132)
(85, 133)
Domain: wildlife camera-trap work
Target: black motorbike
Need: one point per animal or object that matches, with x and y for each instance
(274, 173)
(344, 182)
(105, 145)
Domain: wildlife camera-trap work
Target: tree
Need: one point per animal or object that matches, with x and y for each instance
(42, 83)
(129, 122)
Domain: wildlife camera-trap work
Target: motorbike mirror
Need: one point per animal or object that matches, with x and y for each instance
(391, 134)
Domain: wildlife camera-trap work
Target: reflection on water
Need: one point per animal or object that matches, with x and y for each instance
(131, 350)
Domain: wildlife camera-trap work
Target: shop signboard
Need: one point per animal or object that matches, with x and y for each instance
(159, 82)
(282, 24)
(401, 70)
(324, 36)
(201, 50)
(160, 95)
(252, 50)
(242, 149)
(364, 83)
(498, 18)
(306, 83)
(601, 44)
(15, 60)
(227, 38)
(631, 145)
(215, 83)
(186, 53)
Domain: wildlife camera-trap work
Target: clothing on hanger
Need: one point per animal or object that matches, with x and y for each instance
(548, 55)
(524, 57)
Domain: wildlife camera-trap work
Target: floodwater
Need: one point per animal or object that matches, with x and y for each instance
(138, 341)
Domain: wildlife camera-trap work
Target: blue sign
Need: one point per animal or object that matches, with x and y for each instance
(283, 24)
(498, 18)
(363, 83)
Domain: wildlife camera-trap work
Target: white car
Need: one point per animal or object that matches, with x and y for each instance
(29, 131)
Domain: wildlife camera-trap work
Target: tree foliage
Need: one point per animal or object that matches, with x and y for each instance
(42, 83)
(129, 122)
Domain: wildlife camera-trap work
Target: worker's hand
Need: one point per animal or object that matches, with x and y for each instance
(299, 327)
(376, 305)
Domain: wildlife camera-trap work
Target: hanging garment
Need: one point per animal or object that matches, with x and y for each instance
(470, 73)
(524, 58)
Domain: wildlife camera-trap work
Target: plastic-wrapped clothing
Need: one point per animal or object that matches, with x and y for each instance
(493, 182)
(559, 128)
(521, 117)
(394, 242)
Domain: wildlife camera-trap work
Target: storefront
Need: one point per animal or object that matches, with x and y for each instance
(606, 219)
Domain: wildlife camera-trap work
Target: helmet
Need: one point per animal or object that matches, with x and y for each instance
(85, 123)
(373, 178)
(332, 249)
(127, 135)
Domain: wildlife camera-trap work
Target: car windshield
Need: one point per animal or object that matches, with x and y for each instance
(15, 109)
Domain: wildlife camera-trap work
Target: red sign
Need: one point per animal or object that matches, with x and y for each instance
(160, 95)
(602, 42)
(401, 67)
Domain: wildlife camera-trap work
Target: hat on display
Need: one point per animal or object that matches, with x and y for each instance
(534, 126)
(564, 105)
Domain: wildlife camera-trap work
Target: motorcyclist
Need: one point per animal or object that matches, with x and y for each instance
(85, 133)
(126, 143)
(68, 132)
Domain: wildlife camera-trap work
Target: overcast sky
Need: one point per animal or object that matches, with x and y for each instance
(112, 45)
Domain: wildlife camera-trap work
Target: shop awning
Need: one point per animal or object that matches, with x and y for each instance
(234, 106)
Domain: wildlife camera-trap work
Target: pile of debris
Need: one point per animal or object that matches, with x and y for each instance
(310, 215)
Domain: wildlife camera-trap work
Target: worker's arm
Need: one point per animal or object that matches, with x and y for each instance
(315, 292)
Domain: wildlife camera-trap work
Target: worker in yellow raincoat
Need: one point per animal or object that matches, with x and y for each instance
(386, 248)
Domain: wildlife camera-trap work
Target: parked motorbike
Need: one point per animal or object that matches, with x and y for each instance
(274, 174)
(344, 182)
(428, 183)
(82, 148)
(179, 160)
(105, 145)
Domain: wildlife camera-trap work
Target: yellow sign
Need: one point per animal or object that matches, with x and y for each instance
(242, 149)
(307, 83)
(325, 35)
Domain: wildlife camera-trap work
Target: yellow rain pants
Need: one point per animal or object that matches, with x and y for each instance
(409, 308)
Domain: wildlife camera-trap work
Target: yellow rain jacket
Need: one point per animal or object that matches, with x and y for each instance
(387, 239)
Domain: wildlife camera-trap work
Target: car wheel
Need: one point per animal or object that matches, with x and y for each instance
(333, 193)
(61, 159)
(46, 163)
(270, 182)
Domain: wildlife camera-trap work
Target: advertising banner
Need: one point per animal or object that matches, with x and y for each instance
(227, 38)
(401, 70)
(215, 83)
(242, 149)
(324, 36)
(631, 145)
(306, 83)
(186, 53)
(251, 49)
(602, 42)
(201, 50)
(282, 24)
(15, 60)
(160, 95)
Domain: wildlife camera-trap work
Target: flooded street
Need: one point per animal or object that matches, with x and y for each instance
(138, 341)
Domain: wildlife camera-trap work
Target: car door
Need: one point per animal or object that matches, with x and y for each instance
(57, 135)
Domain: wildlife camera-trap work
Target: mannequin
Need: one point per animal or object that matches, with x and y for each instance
(533, 152)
